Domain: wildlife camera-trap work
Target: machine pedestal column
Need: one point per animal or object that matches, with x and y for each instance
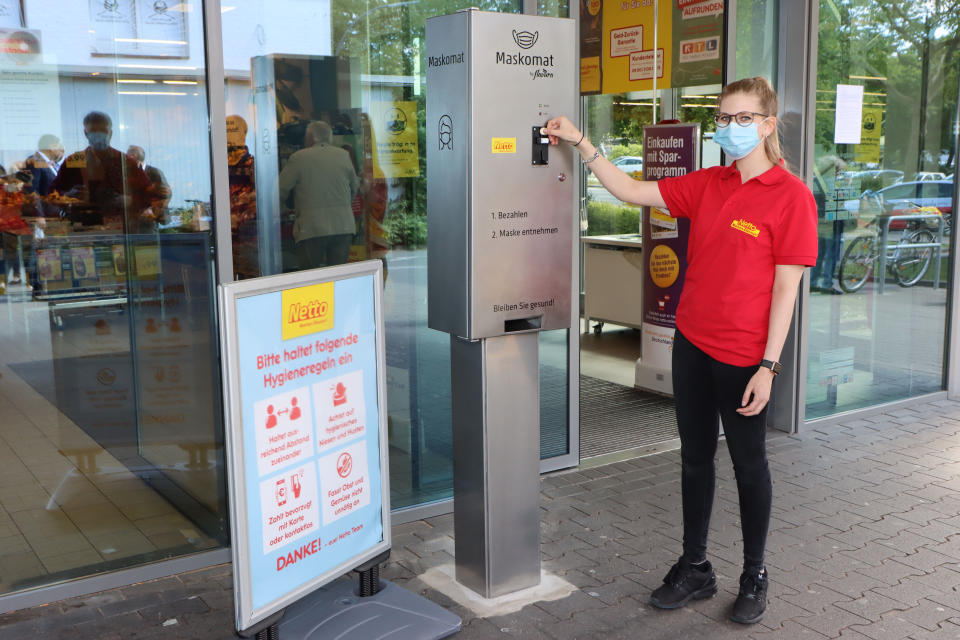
(496, 462)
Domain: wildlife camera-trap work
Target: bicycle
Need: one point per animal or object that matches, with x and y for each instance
(907, 260)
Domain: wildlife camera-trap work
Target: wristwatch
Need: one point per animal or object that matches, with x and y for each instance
(773, 366)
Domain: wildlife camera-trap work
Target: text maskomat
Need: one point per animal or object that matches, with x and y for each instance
(523, 59)
(443, 60)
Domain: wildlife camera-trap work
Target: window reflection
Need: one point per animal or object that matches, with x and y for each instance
(110, 442)
(327, 105)
(884, 191)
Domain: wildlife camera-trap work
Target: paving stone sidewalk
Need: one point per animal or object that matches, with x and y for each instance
(864, 543)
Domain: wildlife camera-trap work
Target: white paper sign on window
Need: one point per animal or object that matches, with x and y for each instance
(849, 116)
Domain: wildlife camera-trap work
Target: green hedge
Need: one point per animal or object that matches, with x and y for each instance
(404, 228)
(605, 218)
(632, 149)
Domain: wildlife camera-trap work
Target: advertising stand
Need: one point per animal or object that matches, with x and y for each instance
(305, 404)
(669, 150)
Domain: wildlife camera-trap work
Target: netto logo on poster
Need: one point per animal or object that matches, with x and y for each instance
(307, 310)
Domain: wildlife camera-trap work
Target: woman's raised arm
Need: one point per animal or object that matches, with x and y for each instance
(618, 183)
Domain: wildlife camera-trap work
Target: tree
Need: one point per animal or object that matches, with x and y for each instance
(906, 56)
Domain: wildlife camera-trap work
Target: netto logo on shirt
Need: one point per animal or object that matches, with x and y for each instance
(747, 227)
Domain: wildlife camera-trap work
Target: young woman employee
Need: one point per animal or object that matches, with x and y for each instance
(753, 231)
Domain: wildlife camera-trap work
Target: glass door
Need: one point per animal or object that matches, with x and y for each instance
(110, 440)
(326, 135)
(883, 176)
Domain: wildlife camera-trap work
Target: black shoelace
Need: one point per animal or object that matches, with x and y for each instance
(674, 576)
(752, 583)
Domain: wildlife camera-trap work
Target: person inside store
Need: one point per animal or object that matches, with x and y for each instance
(323, 182)
(37, 173)
(101, 185)
(829, 232)
(753, 231)
(243, 200)
(44, 163)
(161, 188)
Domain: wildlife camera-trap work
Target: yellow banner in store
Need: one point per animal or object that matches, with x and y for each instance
(590, 78)
(147, 260)
(396, 153)
(871, 127)
(307, 310)
(629, 59)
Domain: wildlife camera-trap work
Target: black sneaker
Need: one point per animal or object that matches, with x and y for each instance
(752, 601)
(683, 583)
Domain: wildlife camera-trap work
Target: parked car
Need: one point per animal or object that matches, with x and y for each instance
(870, 179)
(927, 176)
(632, 165)
(898, 198)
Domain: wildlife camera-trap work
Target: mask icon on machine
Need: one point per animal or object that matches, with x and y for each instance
(525, 39)
(445, 131)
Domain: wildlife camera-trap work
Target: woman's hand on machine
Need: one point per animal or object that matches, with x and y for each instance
(560, 128)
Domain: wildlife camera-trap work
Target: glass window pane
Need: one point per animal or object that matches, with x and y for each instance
(110, 440)
(326, 105)
(757, 25)
(879, 293)
(612, 259)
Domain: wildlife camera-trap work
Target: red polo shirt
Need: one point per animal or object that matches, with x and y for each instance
(738, 233)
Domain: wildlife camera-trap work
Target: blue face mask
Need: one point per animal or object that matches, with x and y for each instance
(736, 141)
(99, 140)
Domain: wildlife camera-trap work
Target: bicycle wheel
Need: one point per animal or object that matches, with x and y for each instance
(912, 262)
(856, 267)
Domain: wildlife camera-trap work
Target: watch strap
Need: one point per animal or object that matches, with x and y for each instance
(773, 366)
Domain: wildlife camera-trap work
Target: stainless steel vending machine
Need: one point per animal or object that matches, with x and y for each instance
(501, 215)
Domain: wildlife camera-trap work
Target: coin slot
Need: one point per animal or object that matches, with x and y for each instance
(541, 147)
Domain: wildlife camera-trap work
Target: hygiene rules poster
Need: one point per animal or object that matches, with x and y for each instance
(307, 360)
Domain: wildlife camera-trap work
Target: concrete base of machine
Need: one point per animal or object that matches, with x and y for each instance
(336, 611)
(443, 580)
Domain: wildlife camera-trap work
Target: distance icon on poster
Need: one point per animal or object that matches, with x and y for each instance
(283, 429)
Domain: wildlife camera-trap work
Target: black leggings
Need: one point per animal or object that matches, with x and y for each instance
(703, 389)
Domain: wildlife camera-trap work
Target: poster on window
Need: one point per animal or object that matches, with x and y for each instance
(161, 29)
(113, 27)
(146, 28)
(633, 50)
(396, 152)
(697, 42)
(29, 91)
(871, 133)
(591, 46)
(11, 14)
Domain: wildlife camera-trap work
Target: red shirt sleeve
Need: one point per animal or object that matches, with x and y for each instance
(795, 238)
(684, 193)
